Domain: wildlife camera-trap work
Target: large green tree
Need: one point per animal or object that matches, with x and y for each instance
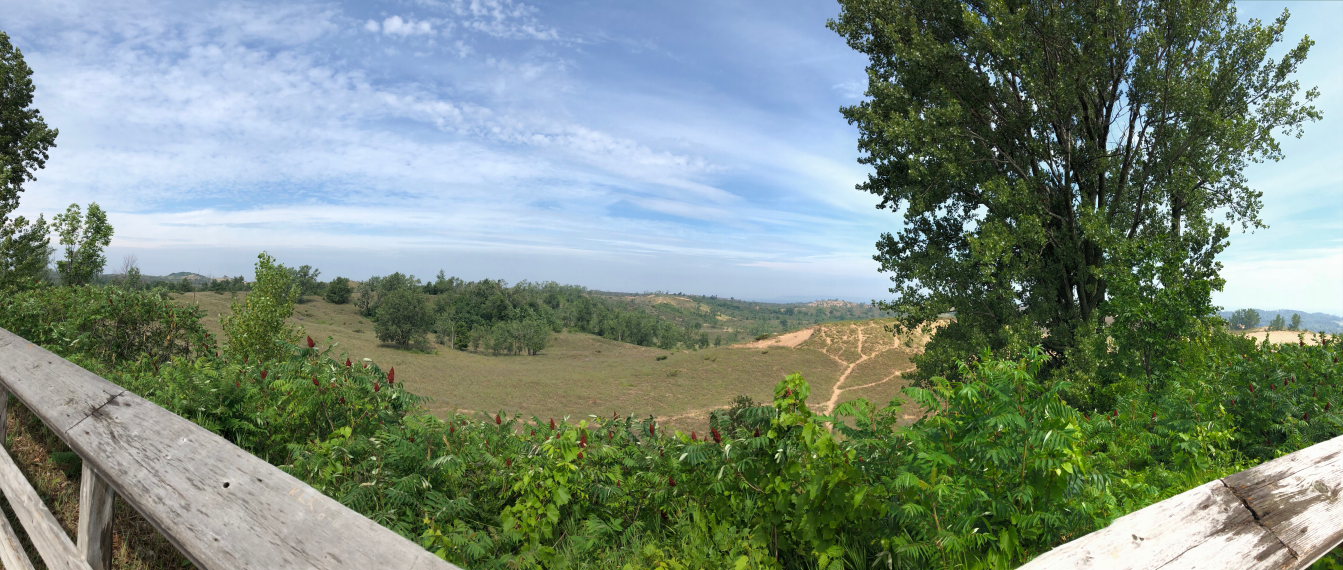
(1058, 163)
(24, 135)
(403, 318)
(24, 142)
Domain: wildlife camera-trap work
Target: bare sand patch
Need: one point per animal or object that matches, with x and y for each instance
(790, 340)
(1283, 337)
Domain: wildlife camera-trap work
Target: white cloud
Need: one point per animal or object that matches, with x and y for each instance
(397, 26)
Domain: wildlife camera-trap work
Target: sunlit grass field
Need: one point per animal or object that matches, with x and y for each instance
(580, 374)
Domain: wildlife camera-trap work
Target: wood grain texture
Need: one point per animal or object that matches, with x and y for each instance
(219, 505)
(95, 520)
(47, 536)
(12, 555)
(1299, 497)
(4, 415)
(1285, 513)
(57, 391)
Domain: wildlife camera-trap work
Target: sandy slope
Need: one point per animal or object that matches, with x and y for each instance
(790, 340)
(1282, 337)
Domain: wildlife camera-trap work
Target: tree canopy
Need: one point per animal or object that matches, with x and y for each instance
(24, 142)
(24, 135)
(1059, 163)
(84, 237)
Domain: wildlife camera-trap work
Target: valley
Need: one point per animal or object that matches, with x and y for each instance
(580, 374)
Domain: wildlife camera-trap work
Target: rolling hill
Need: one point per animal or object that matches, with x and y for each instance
(581, 374)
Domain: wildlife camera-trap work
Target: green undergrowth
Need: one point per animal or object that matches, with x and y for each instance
(1003, 470)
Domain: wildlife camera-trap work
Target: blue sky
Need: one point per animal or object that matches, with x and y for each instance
(635, 146)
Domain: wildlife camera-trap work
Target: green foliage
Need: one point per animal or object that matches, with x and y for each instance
(84, 237)
(1006, 462)
(1061, 164)
(338, 291)
(996, 478)
(1004, 470)
(371, 292)
(1296, 322)
(306, 279)
(257, 329)
(24, 135)
(112, 325)
(25, 253)
(1244, 319)
(1278, 323)
(403, 318)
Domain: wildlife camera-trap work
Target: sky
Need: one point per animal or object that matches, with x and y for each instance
(689, 146)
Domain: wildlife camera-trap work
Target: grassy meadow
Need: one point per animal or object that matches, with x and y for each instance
(581, 374)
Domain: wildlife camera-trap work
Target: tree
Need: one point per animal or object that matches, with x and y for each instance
(24, 135)
(84, 238)
(257, 327)
(338, 291)
(1244, 319)
(1278, 323)
(306, 278)
(1058, 163)
(25, 252)
(24, 142)
(403, 318)
(1296, 322)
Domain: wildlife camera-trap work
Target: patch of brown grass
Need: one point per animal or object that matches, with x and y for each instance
(581, 374)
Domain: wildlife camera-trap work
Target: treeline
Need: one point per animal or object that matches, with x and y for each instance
(1243, 319)
(489, 315)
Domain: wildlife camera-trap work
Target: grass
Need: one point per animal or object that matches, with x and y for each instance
(581, 374)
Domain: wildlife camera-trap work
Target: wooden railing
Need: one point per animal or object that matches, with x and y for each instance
(219, 505)
(1285, 513)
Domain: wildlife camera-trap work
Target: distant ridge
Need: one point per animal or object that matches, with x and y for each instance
(1314, 322)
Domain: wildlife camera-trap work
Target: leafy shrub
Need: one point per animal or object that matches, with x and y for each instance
(338, 291)
(257, 329)
(112, 325)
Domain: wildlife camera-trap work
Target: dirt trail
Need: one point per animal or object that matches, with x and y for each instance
(849, 345)
(865, 353)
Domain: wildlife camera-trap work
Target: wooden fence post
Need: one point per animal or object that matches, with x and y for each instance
(95, 520)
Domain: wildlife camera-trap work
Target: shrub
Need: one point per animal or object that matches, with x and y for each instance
(338, 291)
(257, 327)
(111, 325)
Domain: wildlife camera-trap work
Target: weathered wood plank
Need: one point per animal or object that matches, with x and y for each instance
(12, 555)
(47, 536)
(1298, 497)
(57, 391)
(4, 415)
(1204, 527)
(221, 506)
(95, 520)
(1285, 513)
